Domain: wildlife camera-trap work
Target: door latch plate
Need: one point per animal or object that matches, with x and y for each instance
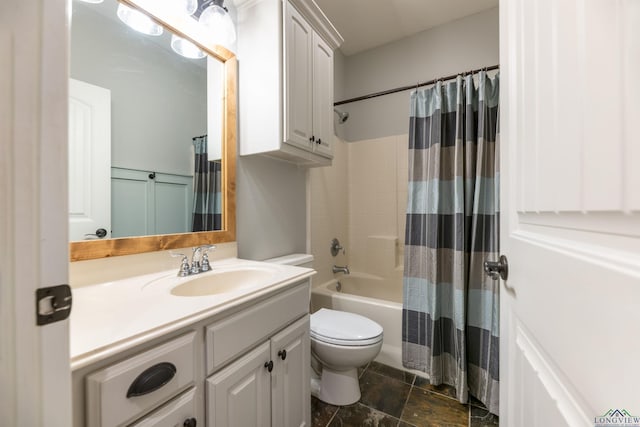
(53, 304)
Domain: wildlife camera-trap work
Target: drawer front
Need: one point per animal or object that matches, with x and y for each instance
(235, 334)
(107, 389)
(174, 413)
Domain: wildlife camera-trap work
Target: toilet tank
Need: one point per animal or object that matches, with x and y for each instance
(299, 260)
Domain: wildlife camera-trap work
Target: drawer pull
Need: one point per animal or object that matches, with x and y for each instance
(152, 379)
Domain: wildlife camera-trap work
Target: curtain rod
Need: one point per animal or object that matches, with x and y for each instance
(403, 88)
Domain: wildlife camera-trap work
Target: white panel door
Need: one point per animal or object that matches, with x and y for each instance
(298, 79)
(89, 160)
(35, 377)
(290, 394)
(571, 211)
(322, 96)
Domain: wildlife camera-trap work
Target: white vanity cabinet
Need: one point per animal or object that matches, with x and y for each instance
(268, 386)
(246, 365)
(285, 50)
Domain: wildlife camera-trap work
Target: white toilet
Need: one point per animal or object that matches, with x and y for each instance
(341, 342)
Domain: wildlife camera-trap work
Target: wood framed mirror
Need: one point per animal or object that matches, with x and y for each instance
(187, 28)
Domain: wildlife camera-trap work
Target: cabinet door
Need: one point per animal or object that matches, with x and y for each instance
(322, 96)
(239, 395)
(298, 80)
(291, 404)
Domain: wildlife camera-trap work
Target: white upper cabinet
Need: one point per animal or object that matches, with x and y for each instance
(285, 52)
(322, 96)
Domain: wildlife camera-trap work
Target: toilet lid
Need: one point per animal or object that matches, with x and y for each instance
(342, 328)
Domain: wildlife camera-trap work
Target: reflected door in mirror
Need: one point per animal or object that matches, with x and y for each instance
(89, 161)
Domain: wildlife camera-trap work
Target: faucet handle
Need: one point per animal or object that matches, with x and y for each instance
(184, 264)
(206, 265)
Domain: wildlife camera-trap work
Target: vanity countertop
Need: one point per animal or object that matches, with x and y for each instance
(111, 317)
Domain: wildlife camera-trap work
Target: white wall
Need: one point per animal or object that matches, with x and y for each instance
(462, 45)
(150, 86)
(271, 213)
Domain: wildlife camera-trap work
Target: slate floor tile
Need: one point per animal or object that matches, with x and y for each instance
(321, 412)
(443, 389)
(358, 415)
(383, 393)
(427, 409)
(390, 372)
(483, 418)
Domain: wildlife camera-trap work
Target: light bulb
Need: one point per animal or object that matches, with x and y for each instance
(185, 48)
(219, 22)
(138, 21)
(189, 6)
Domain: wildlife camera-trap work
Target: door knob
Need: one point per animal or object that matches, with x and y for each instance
(497, 269)
(282, 354)
(100, 233)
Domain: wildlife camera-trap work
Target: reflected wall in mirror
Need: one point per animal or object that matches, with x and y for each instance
(151, 137)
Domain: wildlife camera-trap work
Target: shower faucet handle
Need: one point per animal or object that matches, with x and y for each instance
(336, 247)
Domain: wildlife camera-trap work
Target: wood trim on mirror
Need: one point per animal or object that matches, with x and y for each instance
(92, 249)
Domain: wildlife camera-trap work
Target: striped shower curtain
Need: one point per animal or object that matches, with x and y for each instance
(450, 327)
(207, 199)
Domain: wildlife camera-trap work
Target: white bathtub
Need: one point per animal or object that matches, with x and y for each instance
(370, 296)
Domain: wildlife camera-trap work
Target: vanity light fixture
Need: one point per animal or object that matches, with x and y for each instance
(217, 19)
(138, 21)
(189, 6)
(186, 48)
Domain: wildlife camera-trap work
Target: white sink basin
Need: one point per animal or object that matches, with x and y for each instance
(221, 282)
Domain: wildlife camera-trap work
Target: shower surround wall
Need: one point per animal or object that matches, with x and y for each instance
(361, 200)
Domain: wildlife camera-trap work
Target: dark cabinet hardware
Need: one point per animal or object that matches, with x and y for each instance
(189, 422)
(269, 365)
(283, 354)
(312, 139)
(152, 379)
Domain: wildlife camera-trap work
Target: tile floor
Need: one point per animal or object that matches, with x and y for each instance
(395, 398)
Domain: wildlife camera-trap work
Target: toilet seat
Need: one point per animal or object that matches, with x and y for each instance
(343, 328)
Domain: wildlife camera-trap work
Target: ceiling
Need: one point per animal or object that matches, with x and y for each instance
(366, 24)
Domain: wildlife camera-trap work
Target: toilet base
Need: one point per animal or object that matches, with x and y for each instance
(339, 387)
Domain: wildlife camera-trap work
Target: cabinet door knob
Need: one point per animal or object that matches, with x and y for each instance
(269, 365)
(190, 422)
(319, 141)
(312, 139)
(282, 354)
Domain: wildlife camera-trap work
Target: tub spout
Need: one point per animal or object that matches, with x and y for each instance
(338, 269)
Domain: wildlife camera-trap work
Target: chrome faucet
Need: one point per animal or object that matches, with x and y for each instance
(199, 261)
(338, 269)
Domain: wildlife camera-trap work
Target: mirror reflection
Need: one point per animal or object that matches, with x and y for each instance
(144, 155)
